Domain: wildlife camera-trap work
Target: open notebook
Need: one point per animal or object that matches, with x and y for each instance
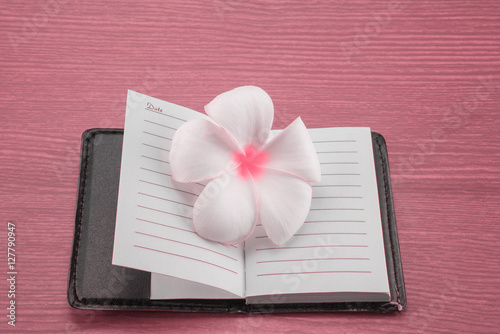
(337, 256)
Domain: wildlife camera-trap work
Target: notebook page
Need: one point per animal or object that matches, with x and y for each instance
(154, 230)
(340, 246)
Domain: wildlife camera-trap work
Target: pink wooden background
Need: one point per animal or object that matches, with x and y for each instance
(425, 74)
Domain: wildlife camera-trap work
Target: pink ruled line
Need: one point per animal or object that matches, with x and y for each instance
(336, 185)
(339, 209)
(335, 221)
(343, 197)
(187, 243)
(329, 221)
(316, 246)
(339, 233)
(186, 257)
(336, 141)
(307, 234)
(319, 259)
(318, 272)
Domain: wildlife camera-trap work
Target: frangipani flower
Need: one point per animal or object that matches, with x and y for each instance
(252, 181)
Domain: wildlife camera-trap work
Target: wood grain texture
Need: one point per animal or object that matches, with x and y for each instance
(425, 74)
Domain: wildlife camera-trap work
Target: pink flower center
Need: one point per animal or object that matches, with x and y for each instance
(251, 162)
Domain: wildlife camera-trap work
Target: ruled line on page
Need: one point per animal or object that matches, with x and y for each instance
(165, 225)
(337, 209)
(165, 199)
(336, 185)
(336, 141)
(309, 234)
(156, 135)
(159, 148)
(318, 259)
(311, 246)
(334, 221)
(186, 257)
(187, 244)
(163, 186)
(155, 171)
(163, 173)
(151, 158)
(318, 272)
(321, 152)
(328, 233)
(167, 115)
(339, 163)
(329, 221)
(163, 125)
(339, 197)
(166, 212)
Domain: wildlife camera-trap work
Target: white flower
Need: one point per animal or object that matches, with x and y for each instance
(253, 181)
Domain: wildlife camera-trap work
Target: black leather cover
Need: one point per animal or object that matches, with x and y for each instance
(94, 283)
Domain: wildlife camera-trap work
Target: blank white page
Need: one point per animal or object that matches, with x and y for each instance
(154, 229)
(340, 247)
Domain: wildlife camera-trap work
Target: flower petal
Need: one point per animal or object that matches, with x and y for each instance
(200, 150)
(292, 151)
(284, 202)
(226, 210)
(246, 112)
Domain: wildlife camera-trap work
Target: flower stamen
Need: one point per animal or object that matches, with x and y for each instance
(250, 162)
